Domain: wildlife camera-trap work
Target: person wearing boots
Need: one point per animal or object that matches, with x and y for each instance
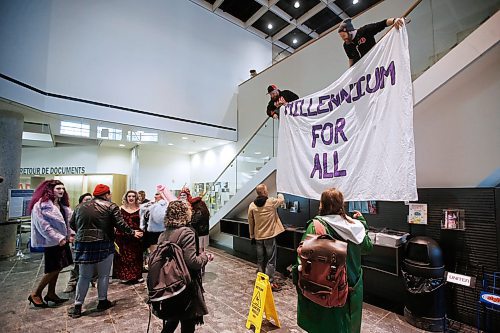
(95, 222)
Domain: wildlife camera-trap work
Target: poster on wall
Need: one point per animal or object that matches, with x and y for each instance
(417, 214)
(18, 203)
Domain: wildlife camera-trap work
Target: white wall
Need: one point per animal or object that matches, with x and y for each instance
(95, 159)
(457, 128)
(165, 57)
(159, 167)
(61, 156)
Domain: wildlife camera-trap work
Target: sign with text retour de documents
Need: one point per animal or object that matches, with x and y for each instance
(355, 135)
(53, 170)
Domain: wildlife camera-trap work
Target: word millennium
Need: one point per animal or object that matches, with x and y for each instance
(327, 103)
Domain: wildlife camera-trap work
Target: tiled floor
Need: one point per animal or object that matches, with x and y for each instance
(228, 283)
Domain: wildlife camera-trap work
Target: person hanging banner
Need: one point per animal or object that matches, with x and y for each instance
(355, 135)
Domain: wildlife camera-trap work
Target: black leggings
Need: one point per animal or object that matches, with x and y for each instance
(187, 326)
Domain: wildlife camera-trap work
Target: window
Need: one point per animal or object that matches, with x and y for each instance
(108, 133)
(77, 129)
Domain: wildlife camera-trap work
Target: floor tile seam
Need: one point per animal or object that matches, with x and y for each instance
(112, 321)
(386, 315)
(8, 273)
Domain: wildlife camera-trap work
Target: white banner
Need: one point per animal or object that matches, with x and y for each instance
(355, 135)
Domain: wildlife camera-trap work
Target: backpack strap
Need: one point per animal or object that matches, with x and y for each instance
(319, 227)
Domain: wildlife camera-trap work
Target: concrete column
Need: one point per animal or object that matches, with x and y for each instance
(11, 133)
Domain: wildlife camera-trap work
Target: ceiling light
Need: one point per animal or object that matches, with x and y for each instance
(170, 144)
(184, 138)
(121, 145)
(191, 152)
(257, 153)
(269, 26)
(296, 4)
(295, 41)
(355, 2)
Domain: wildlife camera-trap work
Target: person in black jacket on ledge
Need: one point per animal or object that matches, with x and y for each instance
(357, 42)
(278, 98)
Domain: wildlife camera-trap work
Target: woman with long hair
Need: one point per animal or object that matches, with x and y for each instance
(50, 214)
(332, 217)
(200, 222)
(127, 264)
(176, 220)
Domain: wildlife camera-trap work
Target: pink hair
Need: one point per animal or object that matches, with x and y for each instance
(45, 192)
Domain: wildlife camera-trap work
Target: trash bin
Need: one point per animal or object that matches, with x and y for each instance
(423, 277)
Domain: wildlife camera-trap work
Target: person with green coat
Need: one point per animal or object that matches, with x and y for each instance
(315, 318)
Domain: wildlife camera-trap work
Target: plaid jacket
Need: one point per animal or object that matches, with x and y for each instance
(93, 252)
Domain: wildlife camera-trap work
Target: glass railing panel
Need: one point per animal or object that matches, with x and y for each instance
(256, 153)
(222, 190)
(438, 26)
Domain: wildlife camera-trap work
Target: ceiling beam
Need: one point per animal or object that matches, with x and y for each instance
(258, 14)
(217, 4)
(283, 32)
(335, 9)
(311, 12)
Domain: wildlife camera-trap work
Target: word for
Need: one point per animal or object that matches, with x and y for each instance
(329, 134)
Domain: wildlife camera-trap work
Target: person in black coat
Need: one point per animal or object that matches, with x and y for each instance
(178, 216)
(357, 42)
(278, 98)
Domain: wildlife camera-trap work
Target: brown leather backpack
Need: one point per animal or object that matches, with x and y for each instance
(322, 272)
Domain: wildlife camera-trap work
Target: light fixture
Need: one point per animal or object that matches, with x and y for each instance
(257, 153)
(121, 145)
(170, 144)
(269, 26)
(191, 152)
(295, 41)
(355, 2)
(184, 138)
(296, 4)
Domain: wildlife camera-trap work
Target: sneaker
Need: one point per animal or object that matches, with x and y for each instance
(105, 304)
(76, 311)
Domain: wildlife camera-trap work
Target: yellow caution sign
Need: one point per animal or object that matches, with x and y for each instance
(262, 302)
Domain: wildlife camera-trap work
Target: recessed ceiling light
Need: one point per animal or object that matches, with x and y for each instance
(121, 145)
(296, 4)
(184, 138)
(355, 2)
(295, 41)
(170, 144)
(191, 152)
(257, 153)
(269, 26)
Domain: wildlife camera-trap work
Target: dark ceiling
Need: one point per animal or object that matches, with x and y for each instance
(283, 22)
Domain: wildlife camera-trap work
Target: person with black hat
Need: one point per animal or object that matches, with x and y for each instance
(278, 98)
(357, 42)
